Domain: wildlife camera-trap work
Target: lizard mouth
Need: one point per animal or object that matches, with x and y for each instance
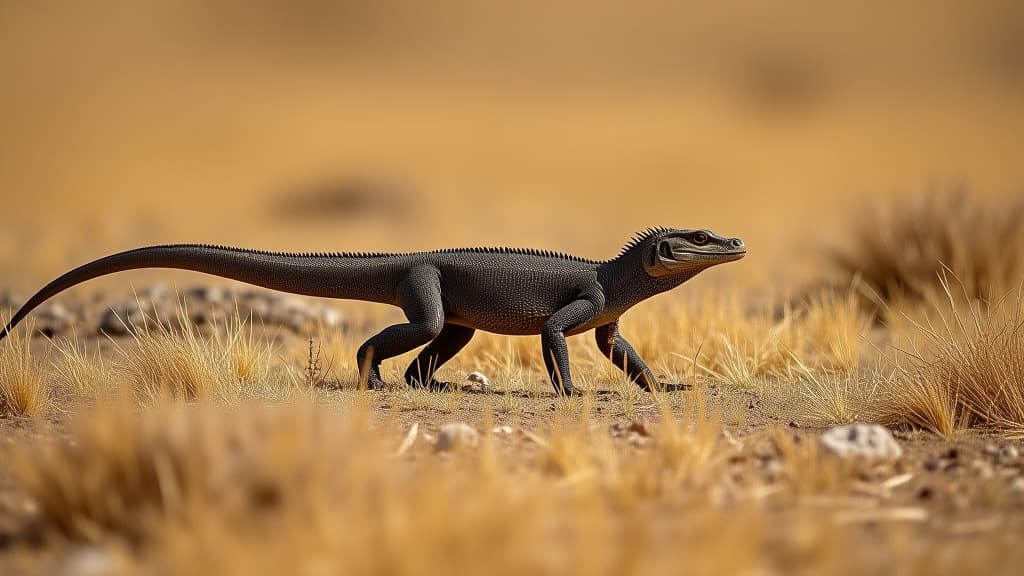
(688, 257)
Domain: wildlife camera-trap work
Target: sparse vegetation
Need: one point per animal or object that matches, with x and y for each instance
(79, 372)
(898, 250)
(186, 474)
(962, 364)
(24, 388)
(243, 445)
(238, 490)
(171, 358)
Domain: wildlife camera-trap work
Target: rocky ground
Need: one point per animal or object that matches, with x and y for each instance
(203, 305)
(940, 488)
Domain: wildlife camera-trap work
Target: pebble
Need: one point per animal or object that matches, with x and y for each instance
(772, 469)
(479, 378)
(54, 320)
(89, 561)
(10, 299)
(630, 429)
(153, 292)
(330, 317)
(868, 441)
(1007, 455)
(207, 294)
(982, 469)
(456, 436)
(119, 319)
(1017, 485)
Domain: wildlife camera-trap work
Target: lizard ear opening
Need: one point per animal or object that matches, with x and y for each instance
(665, 250)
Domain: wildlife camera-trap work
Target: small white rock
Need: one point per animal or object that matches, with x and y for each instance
(862, 441)
(479, 378)
(1017, 485)
(504, 430)
(88, 561)
(331, 317)
(455, 436)
(1007, 454)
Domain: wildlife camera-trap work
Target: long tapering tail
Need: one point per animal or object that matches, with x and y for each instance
(328, 275)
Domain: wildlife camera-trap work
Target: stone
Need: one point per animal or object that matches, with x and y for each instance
(120, 318)
(1017, 485)
(868, 441)
(772, 469)
(331, 318)
(207, 294)
(981, 469)
(10, 300)
(1007, 455)
(479, 378)
(89, 560)
(54, 320)
(457, 436)
(153, 292)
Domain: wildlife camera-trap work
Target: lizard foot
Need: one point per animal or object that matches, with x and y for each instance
(373, 381)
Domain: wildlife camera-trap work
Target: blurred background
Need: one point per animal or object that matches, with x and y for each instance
(407, 125)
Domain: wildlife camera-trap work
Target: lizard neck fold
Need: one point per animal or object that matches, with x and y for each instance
(626, 283)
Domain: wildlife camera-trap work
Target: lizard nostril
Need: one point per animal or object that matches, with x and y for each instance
(737, 243)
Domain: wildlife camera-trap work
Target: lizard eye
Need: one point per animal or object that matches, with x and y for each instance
(700, 239)
(665, 250)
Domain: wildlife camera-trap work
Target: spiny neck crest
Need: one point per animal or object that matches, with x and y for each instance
(641, 237)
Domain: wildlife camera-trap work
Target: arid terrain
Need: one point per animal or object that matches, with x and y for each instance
(159, 422)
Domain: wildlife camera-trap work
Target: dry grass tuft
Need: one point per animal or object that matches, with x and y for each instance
(898, 251)
(962, 364)
(79, 373)
(128, 469)
(173, 360)
(748, 350)
(832, 398)
(24, 387)
(238, 490)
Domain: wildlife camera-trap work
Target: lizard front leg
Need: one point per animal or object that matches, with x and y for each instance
(621, 353)
(614, 347)
(556, 354)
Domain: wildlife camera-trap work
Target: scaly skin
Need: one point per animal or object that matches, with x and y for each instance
(449, 294)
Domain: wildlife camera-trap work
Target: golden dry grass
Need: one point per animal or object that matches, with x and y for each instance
(898, 249)
(247, 489)
(79, 372)
(24, 386)
(170, 357)
(587, 111)
(204, 487)
(961, 363)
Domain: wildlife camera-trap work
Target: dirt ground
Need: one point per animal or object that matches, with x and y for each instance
(941, 492)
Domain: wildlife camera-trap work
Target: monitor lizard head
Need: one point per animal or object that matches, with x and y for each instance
(670, 252)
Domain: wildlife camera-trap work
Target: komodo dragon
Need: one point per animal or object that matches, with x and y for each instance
(449, 294)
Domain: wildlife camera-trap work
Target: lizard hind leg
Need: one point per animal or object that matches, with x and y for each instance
(419, 295)
(448, 343)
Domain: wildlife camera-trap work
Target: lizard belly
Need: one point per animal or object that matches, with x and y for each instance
(514, 303)
(501, 317)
